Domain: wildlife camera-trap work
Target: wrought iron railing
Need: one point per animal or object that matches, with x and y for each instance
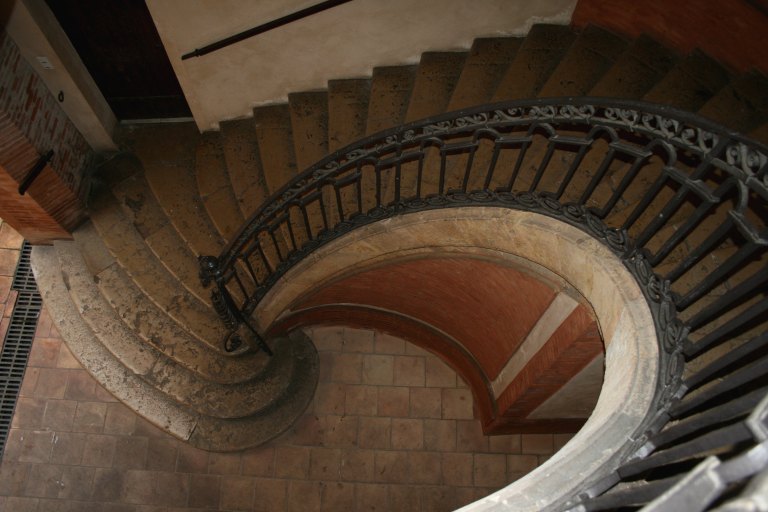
(680, 200)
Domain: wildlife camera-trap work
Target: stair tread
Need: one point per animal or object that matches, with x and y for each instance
(741, 105)
(590, 56)
(160, 334)
(347, 111)
(148, 218)
(309, 123)
(690, 83)
(643, 64)
(243, 433)
(200, 430)
(215, 188)
(241, 153)
(435, 80)
(275, 141)
(174, 254)
(105, 368)
(483, 70)
(221, 400)
(390, 92)
(170, 179)
(125, 243)
(163, 333)
(535, 60)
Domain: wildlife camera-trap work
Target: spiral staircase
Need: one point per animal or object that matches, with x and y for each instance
(686, 213)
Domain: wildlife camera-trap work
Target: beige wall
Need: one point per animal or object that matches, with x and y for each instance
(344, 42)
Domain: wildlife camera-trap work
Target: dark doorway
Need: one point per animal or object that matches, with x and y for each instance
(118, 43)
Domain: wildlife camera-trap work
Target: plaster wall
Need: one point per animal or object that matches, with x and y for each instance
(346, 41)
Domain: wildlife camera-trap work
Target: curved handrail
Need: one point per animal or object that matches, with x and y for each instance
(681, 200)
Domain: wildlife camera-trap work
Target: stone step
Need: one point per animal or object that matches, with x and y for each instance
(142, 209)
(214, 186)
(590, 56)
(390, 94)
(535, 60)
(289, 405)
(741, 105)
(309, 123)
(125, 385)
(241, 152)
(200, 430)
(171, 180)
(151, 276)
(347, 111)
(159, 370)
(483, 70)
(643, 64)
(436, 78)
(275, 141)
(148, 321)
(690, 84)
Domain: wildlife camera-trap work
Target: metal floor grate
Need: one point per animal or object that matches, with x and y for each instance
(18, 340)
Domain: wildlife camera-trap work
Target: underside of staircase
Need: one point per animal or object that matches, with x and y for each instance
(126, 294)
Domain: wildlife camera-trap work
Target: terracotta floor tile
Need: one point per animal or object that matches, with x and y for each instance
(164, 452)
(191, 459)
(440, 435)
(393, 401)
(457, 404)
(236, 493)
(378, 369)
(407, 434)
(409, 371)
(372, 497)
(13, 478)
(224, 463)
(357, 465)
(361, 400)
(375, 433)
(76, 483)
(270, 495)
(490, 470)
(131, 452)
(425, 467)
(10, 238)
(99, 450)
(387, 344)
(60, 415)
(69, 448)
(457, 468)
(338, 496)
(258, 461)
(405, 498)
(346, 367)
(391, 466)
(89, 417)
(358, 340)
(204, 491)
(29, 413)
(52, 383)
(304, 496)
(108, 484)
(292, 462)
(426, 403)
(324, 464)
(539, 444)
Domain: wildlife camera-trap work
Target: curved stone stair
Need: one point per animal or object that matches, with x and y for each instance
(132, 301)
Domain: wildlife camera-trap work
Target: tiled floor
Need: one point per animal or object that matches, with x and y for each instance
(390, 428)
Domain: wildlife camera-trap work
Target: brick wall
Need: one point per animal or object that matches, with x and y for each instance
(35, 111)
(31, 124)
